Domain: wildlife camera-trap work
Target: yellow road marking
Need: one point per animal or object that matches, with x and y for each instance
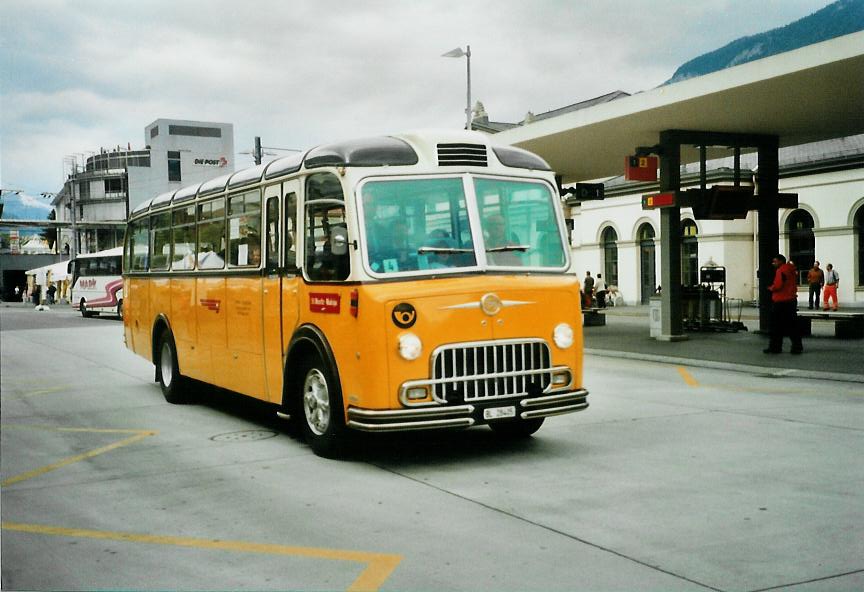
(379, 566)
(687, 377)
(139, 435)
(46, 391)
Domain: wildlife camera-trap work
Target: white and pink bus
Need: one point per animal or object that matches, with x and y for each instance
(98, 285)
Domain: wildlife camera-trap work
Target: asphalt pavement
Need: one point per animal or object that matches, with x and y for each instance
(626, 334)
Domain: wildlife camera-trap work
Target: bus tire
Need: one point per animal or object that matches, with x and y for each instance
(82, 306)
(321, 416)
(175, 387)
(516, 428)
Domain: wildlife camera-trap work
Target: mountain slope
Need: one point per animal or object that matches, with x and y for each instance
(840, 18)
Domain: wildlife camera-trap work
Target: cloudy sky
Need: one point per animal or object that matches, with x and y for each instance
(77, 76)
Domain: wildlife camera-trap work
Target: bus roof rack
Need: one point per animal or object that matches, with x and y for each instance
(216, 185)
(144, 205)
(186, 193)
(517, 157)
(367, 152)
(285, 165)
(162, 199)
(246, 176)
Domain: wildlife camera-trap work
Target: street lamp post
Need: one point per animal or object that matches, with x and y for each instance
(458, 53)
(258, 151)
(73, 251)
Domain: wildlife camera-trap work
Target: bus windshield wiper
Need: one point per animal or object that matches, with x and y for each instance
(426, 249)
(522, 248)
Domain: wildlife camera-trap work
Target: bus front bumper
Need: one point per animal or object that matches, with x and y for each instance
(463, 416)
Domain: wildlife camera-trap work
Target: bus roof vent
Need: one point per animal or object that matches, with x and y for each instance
(462, 155)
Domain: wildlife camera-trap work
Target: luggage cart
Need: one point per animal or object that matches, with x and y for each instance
(706, 307)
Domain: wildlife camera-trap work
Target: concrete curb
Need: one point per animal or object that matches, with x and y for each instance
(745, 368)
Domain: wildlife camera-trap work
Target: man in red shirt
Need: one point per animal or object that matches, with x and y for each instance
(784, 307)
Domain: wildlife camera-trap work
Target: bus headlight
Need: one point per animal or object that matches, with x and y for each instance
(410, 346)
(563, 335)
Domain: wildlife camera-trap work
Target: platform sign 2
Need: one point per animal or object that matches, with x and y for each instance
(640, 168)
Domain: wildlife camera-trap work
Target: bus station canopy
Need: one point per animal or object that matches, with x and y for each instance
(810, 94)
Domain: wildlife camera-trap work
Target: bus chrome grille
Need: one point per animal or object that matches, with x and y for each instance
(482, 371)
(461, 155)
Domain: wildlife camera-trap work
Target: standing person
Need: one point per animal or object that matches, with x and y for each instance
(588, 289)
(816, 279)
(832, 280)
(600, 290)
(784, 307)
(17, 293)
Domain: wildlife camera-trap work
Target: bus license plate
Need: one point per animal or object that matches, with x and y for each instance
(499, 412)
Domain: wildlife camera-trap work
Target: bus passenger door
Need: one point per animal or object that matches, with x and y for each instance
(279, 289)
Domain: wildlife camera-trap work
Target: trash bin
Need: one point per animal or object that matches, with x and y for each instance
(655, 315)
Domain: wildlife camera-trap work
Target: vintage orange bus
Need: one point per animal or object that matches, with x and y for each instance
(402, 282)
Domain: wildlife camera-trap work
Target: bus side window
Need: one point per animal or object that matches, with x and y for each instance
(211, 234)
(325, 225)
(290, 236)
(183, 238)
(271, 233)
(139, 248)
(244, 229)
(160, 241)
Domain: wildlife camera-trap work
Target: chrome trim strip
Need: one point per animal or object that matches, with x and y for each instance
(552, 399)
(487, 342)
(459, 306)
(553, 411)
(462, 422)
(504, 303)
(388, 414)
(430, 382)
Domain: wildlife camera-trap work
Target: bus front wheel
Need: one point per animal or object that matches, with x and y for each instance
(82, 306)
(322, 418)
(174, 387)
(516, 428)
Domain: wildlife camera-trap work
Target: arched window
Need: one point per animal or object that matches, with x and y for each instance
(689, 254)
(802, 243)
(858, 230)
(610, 256)
(647, 263)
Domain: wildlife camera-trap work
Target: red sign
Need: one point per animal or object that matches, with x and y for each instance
(659, 200)
(323, 302)
(640, 168)
(211, 304)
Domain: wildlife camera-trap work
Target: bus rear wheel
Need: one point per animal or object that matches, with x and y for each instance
(321, 414)
(174, 385)
(516, 428)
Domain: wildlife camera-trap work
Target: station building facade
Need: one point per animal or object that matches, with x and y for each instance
(109, 184)
(619, 239)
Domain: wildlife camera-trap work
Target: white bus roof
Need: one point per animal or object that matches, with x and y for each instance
(115, 252)
(448, 148)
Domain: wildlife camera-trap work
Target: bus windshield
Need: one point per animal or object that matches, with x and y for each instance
(421, 225)
(417, 224)
(519, 224)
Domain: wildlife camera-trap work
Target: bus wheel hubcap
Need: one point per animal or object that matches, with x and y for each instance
(316, 402)
(167, 364)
